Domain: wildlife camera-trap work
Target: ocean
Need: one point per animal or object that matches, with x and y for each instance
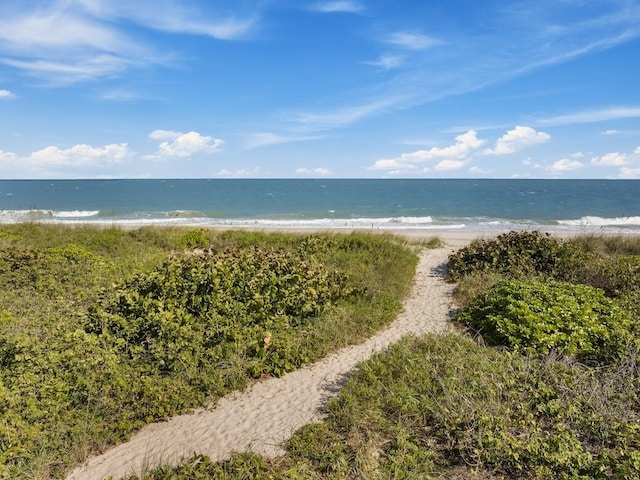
(611, 206)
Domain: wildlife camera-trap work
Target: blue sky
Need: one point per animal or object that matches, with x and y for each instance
(343, 89)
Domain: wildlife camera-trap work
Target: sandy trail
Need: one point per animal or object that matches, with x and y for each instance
(262, 417)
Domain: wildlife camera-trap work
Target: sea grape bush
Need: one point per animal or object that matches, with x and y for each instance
(199, 305)
(514, 254)
(541, 317)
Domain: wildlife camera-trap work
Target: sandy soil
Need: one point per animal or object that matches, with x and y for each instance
(262, 417)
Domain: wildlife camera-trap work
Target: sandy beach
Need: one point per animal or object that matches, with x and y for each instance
(270, 411)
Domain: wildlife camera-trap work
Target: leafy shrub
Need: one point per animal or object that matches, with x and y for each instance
(541, 317)
(197, 306)
(513, 254)
(197, 238)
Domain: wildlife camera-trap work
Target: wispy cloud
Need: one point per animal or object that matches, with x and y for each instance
(412, 41)
(524, 38)
(387, 62)
(65, 42)
(265, 139)
(347, 115)
(338, 7)
(591, 116)
(5, 94)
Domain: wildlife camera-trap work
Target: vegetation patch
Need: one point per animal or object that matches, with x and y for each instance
(445, 407)
(544, 317)
(514, 254)
(104, 330)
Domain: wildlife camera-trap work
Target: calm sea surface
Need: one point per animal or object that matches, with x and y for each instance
(474, 205)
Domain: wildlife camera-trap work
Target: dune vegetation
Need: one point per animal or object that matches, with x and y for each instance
(104, 330)
(541, 381)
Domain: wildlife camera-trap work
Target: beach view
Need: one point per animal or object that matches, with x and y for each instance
(333, 239)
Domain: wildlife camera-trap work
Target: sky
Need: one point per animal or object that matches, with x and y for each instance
(310, 89)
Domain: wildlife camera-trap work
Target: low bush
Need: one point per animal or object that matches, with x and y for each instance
(514, 254)
(532, 316)
(197, 306)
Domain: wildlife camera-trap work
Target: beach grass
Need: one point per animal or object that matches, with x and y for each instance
(98, 338)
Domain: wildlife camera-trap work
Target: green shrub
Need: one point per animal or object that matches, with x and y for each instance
(197, 238)
(513, 254)
(533, 316)
(199, 305)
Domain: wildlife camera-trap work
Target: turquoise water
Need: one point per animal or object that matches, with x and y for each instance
(475, 205)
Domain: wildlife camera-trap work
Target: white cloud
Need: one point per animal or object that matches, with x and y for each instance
(339, 6)
(5, 94)
(613, 159)
(478, 170)
(7, 158)
(241, 173)
(388, 62)
(412, 41)
(465, 144)
(611, 132)
(517, 139)
(79, 156)
(389, 164)
(55, 162)
(565, 165)
(629, 172)
(450, 165)
(314, 171)
(183, 145)
(637, 151)
(451, 157)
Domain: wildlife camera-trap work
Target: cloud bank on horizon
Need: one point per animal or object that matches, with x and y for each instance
(346, 88)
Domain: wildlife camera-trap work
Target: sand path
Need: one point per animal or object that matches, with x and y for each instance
(262, 417)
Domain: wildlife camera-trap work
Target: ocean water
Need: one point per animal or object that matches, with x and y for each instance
(471, 205)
